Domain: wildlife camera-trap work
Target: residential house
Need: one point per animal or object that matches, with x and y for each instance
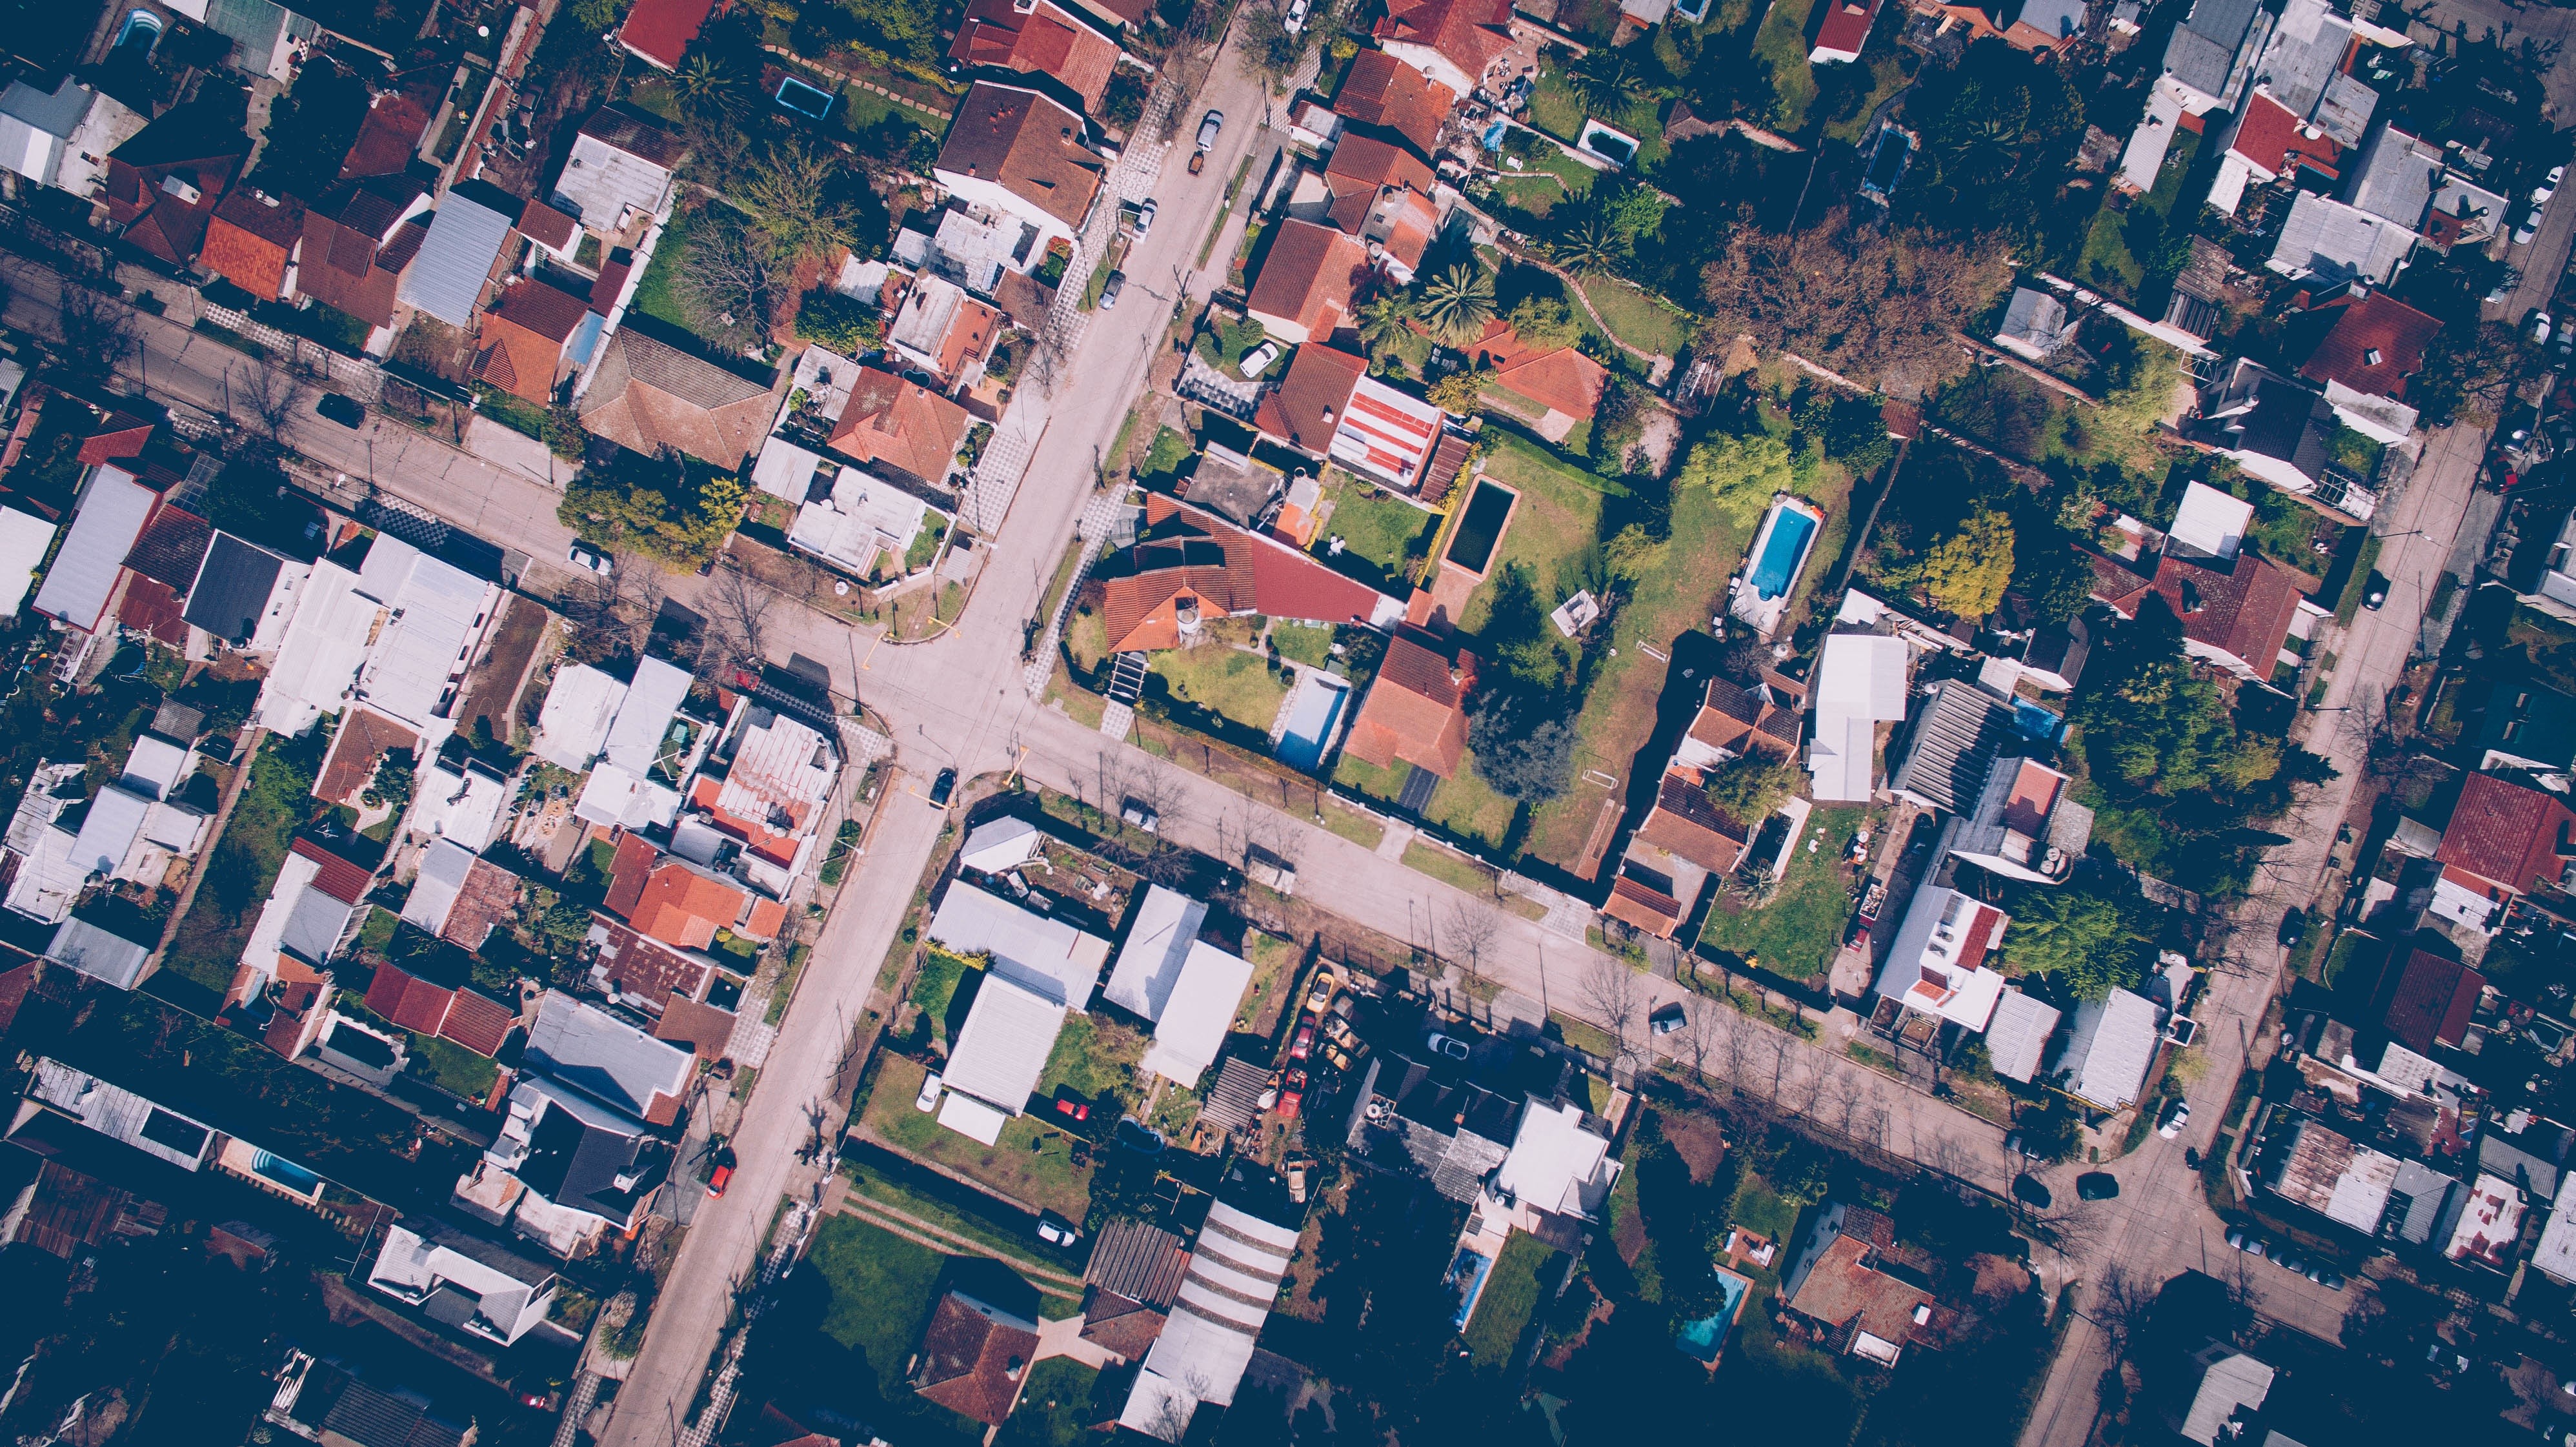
(316, 669)
(1049, 957)
(1013, 152)
(974, 1358)
(164, 185)
(359, 239)
(448, 1012)
(2038, 26)
(1378, 192)
(2525, 1152)
(242, 598)
(646, 395)
(2104, 1062)
(1327, 406)
(1557, 1178)
(325, 1402)
(1553, 389)
(1453, 42)
(1001, 1051)
(437, 617)
(2025, 824)
(862, 524)
(463, 1281)
(2422, 1003)
(1038, 39)
(1950, 746)
(1685, 838)
(763, 793)
(26, 540)
(566, 1167)
(159, 570)
(2528, 725)
(2362, 340)
(268, 39)
(632, 784)
(586, 1047)
(1380, 90)
(252, 239)
(1734, 720)
(2504, 840)
(1191, 565)
(619, 172)
(82, 582)
(2017, 1035)
(470, 241)
(316, 903)
(458, 896)
(389, 138)
(2395, 176)
(1844, 31)
(2464, 214)
(1233, 1275)
(2226, 1383)
(2320, 1170)
(2237, 617)
(943, 331)
(1857, 1291)
(100, 953)
(62, 137)
(2271, 142)
(1938, 963)
(1304, 290)
(459, 798)
(1186, 987)
(2211, 55)
(1129, 1284)
(2554, 1255)
(529, 335)
(2335, 241)
(1860, 684)
(556, 233)
(2284, 432)
(659, 32)
(2489, 1232)
(677, 902)
(572, 724)
(902, 427)
(1416, 710)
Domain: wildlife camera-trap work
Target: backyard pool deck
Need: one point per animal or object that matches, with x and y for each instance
(1759, 596)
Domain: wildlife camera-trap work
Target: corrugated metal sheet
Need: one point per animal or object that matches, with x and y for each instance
(446, 279)
(83, 577)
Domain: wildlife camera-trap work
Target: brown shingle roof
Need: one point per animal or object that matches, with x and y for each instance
(643, 968)
(489, 895)
(974, 1358)
(388, 138)
(636, 134)
(343, 879)
(2432, 1002)
(1029, 145)
(1416, 710)
(902, 424)
(1685, 823)
(646, 396)
(1308, 278)
(2506, 834)
(547, 226)
(171, 547)
(1384, 91)
(2245, 611)
(365, 737)
(2373, 326)
(414, 1004)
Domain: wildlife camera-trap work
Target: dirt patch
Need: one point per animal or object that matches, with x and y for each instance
(492, 689)
(1663, 433)
(1697, 1140)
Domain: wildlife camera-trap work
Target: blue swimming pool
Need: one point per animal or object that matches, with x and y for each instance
(1467, 1278)
(285, 1173)
(803, 99)
(1778, 565)
(1706, 1337)
(1310, 727)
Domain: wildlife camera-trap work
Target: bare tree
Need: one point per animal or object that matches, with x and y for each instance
(98, 332)
(737, 609)
(264, 400)
(1773, 1047)
(1706, 1027)
(2244, 1288)
(1472, 926)
(1618, 1003)
(723, 285)
(2119, 1306)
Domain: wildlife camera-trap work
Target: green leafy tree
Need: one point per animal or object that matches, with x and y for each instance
(1460, 392)
(1855, 434)
(1632, 553)
(1748, 787)
(2085, 938)
(1592, 245)
(1607, 80)
(1523, 749)
(709, 90)
(1966, 573)
(842, 324)
(1637, 211)
(1546, 323)
(1741, 472)
(2054, 577)
(1457, 304)
(660, 506)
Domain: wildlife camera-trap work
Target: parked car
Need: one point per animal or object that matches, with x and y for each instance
(2294, 928)
(2031, 1191)
(2290, 1260)
(1071, 1107)
(2177, 1115)
(2237, 1238)
(2524, 234)
(1338, 1056)
(1145, 216)
(2374, 592)
(2541, 193)
(1446, 1045)
(2539, 326)
(1054, 1230)
(1109, 293)
(583, 555)
(2331, 1281)
(2505, 284)
(718, 1179)
(1304, 1044)
(943, 786)
(349, 412)
(2097, 1186)
(1320, 994)
(1292, 1094)
(928, 1099)
(1296, 19)
(1211, 126)
(1296, 1177)
(1665, 1019)
(1141, 815)
(1258, 360)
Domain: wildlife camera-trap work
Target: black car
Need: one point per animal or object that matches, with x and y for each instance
(943, 786)
(2294, 928)
(349, 412)
(2098, 1186)
(2031, 1190)
(2374, 592)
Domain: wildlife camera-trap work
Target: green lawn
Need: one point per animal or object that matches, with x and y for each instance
(1783, 44)
(934, 987)
(883, 1290)
(1448, 868)
(1056, 1408)
(1224, 680)
(2107, 259)
(239, 870)
(1511, 1294)
(1299, 642)
(1557, 110)
(1551, 529)
(1634, 318)
(869, 1183)
(452, 1068)
(1798, 933)
(1467, 807)
(1043, 1177)
(1165, 457)
(1887, 75)
(1530, 195)
(653, 294)
(1384, 530)
(1093, 1058)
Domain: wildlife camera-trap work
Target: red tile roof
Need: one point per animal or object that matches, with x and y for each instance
(172, 547)
(1846, 25)
(2244, 612)
(2507, 835)
(388, 138)
(1307, 279)
(153, 607)
(1416, 710)
(1559, 379)
(523, 338)
(250, 239)
(2432, 1002)
(666, 900)
(2374, 345)
(1384, 91)
(1730, 715)
(902, 424)
(1467, 33)
(478, 1023)
(1684, 823)
(1042, 40)
(1311, 397)
(971, 1362)
(1643, 905)
(628, 868)
(414, 1004)
(548, 227)
(1195, 556)
(661, 30)
(2275, 139)
(339, 878)
(1027, 144)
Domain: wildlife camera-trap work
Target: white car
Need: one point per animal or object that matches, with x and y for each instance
(2539, 326)
(2540, 194)
(1296, 20)
(1258, 360)
(1145, 216)
(928, 1100)
(2177, 1116)
(1449, 1046)
(2530, 227)
(583, 555)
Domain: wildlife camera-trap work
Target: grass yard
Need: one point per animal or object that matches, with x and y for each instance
(1469, 808)
(1531, 195)
(653, 294)
(934, 987)
(1550, 531)
(883, 1290)
(2107, 259)
(1165, 457)
(868, 1182)
(1449, 869)
(1299, 642)
(1092, 1058)
(452, 1068)
(1274, 972)
(1635, 318)
(1782, 44)
(1224, 344)
(1043, 1178)
(1557, 110)
(1226, 681)
(1887, 75)
(1056, 1407)
(1359, 828)
(1619, 711)
(1510, 1296)
(242, 866)
(1384, 531)
(1797, 934)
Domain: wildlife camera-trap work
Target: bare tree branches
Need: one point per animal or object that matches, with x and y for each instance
(737, 620)
(1617, 999)
(98, 333)
(264, 400)
(1707, 1033)
(723, 284)
(1472, 926)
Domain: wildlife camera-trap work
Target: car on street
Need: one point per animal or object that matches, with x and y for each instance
(2030, 1190)
(2374, 592)
(718, 1180)
(2529, 230)
(2538, 326)
(1142, 815)
(1449, 1046)
(2331, 1281)
(2294, 928)
(1665, 1019)
(2541, 193)
(1145, 216)
(349, 412)
(2097, 1186)
(2177, 1115)
(1072, 1107)
(2290, 1261)
(1211, 126)
(1258, 360)
(1109, 293)
(583, 555)
(928, 1099)
(943, 786)
(1054, 1230)
(1304, 1044)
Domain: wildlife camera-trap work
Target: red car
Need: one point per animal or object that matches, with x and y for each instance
(1289, 1101)
(722, 1178)
(1304, 1044)
(1072, 1109)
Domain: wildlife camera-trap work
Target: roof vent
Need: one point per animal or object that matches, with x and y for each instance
(2371, 355)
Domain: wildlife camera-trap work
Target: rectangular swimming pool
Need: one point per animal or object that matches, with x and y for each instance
(1317, 707)
(1472, 547)
(1778, 565)
(804, 99)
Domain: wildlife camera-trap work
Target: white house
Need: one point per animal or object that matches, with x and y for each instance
(1013, 152)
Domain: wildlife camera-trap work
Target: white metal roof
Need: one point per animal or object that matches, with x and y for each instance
(456, 258)
(972, 1118)
(107, 836)
(1208, 1339)
(785, 470)
(1005, 843)
(268, 935)
(611, 795)
(1001, 1052)
(602, 182)
(465, 804)
(24, 540)
(2018, 1034)
(594, 1051)
(1555, 1163)
(2330, 239)
(1198, 1009)
(2209, 522)
(572, 726)
(1158, 943)
(2234, 1380)
(442, 876)
(438, 612)
(120, 1114)
(1043, 954)
(156, 766)
(781, 770)
(2555, 1256)
(635, 739)
(83, 577)
(1860, 683)
(2112, 1046)
(103, 956)
(509, 1294)
(318, 660)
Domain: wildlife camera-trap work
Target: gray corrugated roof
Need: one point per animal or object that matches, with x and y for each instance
(2425, 1192)
(315, 926)
(57, 114)
(585, 1046)
(2198, 61)
(2018, 1034)
(2397, 177)
(232, 588)
(446, 280)
(1952, 744)
(107, 958)
(2224, 21)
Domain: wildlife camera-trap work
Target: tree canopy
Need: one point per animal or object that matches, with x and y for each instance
(1741, 472)
(1965, 573)
(2085, 936)
(1875, 304)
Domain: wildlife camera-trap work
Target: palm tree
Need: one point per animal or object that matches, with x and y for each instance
(1591, 246)
(1458, 303)
(1383, 320)
(1606, 81)
(707, 89)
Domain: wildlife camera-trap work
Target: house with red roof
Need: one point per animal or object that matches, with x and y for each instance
(1844, 30)
(659, 32)
(1383, 92)
(1454, 42)
(1553, 389)
(2504, 840)
(1306, 283)
(2237, 616)
(2272, 141)
(1379, 192)
(1013, 152)
(1683, 841)
(1416, 710)
(163, 186)
(2362, 340)
(251, 241)
(1327, 406)
(669, 899)
(1039, 38)
(1191, 565)
(900, 426)
(2424, 1001)
(359, 240)
(525, 334)
(426, 1007)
